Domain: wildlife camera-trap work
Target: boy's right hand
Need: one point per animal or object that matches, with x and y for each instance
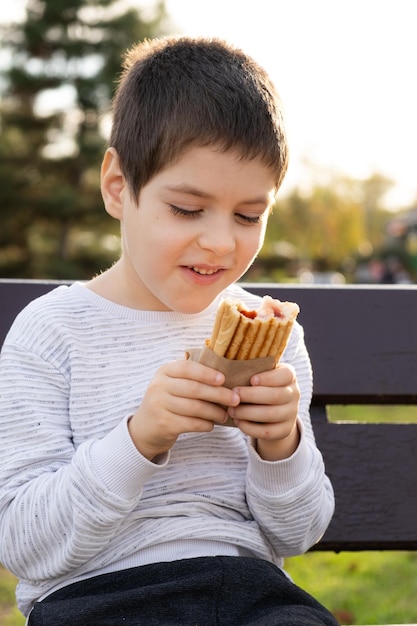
(184, 396)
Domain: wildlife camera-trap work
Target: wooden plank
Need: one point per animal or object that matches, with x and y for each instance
(373, 472)
(361, 339)
(15, 295)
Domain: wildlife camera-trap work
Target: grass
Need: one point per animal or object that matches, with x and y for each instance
(361, 587)
(9, 613)
(378, 414)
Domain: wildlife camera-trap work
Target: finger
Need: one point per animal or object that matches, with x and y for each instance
(191, 370)
(265, 431)
(258, 413)
(193, 389)
(190, 408)
(280, 376)
(268, 396)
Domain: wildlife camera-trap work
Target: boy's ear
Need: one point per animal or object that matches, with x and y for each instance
(112, 184)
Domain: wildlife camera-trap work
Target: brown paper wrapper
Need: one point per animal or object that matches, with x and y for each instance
(237, 372)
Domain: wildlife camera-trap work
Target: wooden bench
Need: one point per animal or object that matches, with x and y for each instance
(363, 346)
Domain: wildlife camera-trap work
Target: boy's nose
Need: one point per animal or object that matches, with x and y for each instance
(219, 238)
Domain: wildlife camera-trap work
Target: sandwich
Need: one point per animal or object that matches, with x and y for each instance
(242, 334)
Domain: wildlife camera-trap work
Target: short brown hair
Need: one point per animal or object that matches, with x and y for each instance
(178, 92)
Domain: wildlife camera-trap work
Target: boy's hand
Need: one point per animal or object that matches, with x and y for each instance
(184, 396)
(268, 412)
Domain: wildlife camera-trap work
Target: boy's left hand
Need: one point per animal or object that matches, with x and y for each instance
(268, 412)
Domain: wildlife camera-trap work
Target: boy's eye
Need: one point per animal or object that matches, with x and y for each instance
(193, 213)
(176, 210)
(249, 219)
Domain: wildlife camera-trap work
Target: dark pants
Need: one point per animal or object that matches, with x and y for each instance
(208, 591)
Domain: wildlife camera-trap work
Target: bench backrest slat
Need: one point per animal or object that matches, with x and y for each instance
(362, 340)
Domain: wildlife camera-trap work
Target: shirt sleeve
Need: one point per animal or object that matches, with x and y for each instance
(58, 506)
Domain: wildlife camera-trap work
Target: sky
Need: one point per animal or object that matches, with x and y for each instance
(345, 70)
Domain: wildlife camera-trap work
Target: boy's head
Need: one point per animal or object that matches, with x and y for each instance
(176, 93)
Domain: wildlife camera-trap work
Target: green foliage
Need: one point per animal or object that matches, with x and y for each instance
(64, 61)
(330, 222)
(335, 226)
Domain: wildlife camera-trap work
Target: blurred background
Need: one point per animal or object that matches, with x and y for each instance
(347, 211)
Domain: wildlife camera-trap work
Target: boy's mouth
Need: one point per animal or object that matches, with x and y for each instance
(204, 271)
(204, 275)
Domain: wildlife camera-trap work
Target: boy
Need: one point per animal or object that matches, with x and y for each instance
(124, 498)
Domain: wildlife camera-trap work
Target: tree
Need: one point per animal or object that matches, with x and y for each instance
(57, 87)
(333, 223)
(326, 223)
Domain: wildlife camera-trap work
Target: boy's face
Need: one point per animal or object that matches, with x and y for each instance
(197, 227)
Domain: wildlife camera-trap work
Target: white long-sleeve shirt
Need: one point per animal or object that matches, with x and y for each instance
(77, 499)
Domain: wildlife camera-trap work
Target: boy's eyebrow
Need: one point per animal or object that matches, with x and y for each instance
(195, 191)
(188, 189)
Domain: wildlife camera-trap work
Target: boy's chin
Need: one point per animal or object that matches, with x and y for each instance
(196, 307)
